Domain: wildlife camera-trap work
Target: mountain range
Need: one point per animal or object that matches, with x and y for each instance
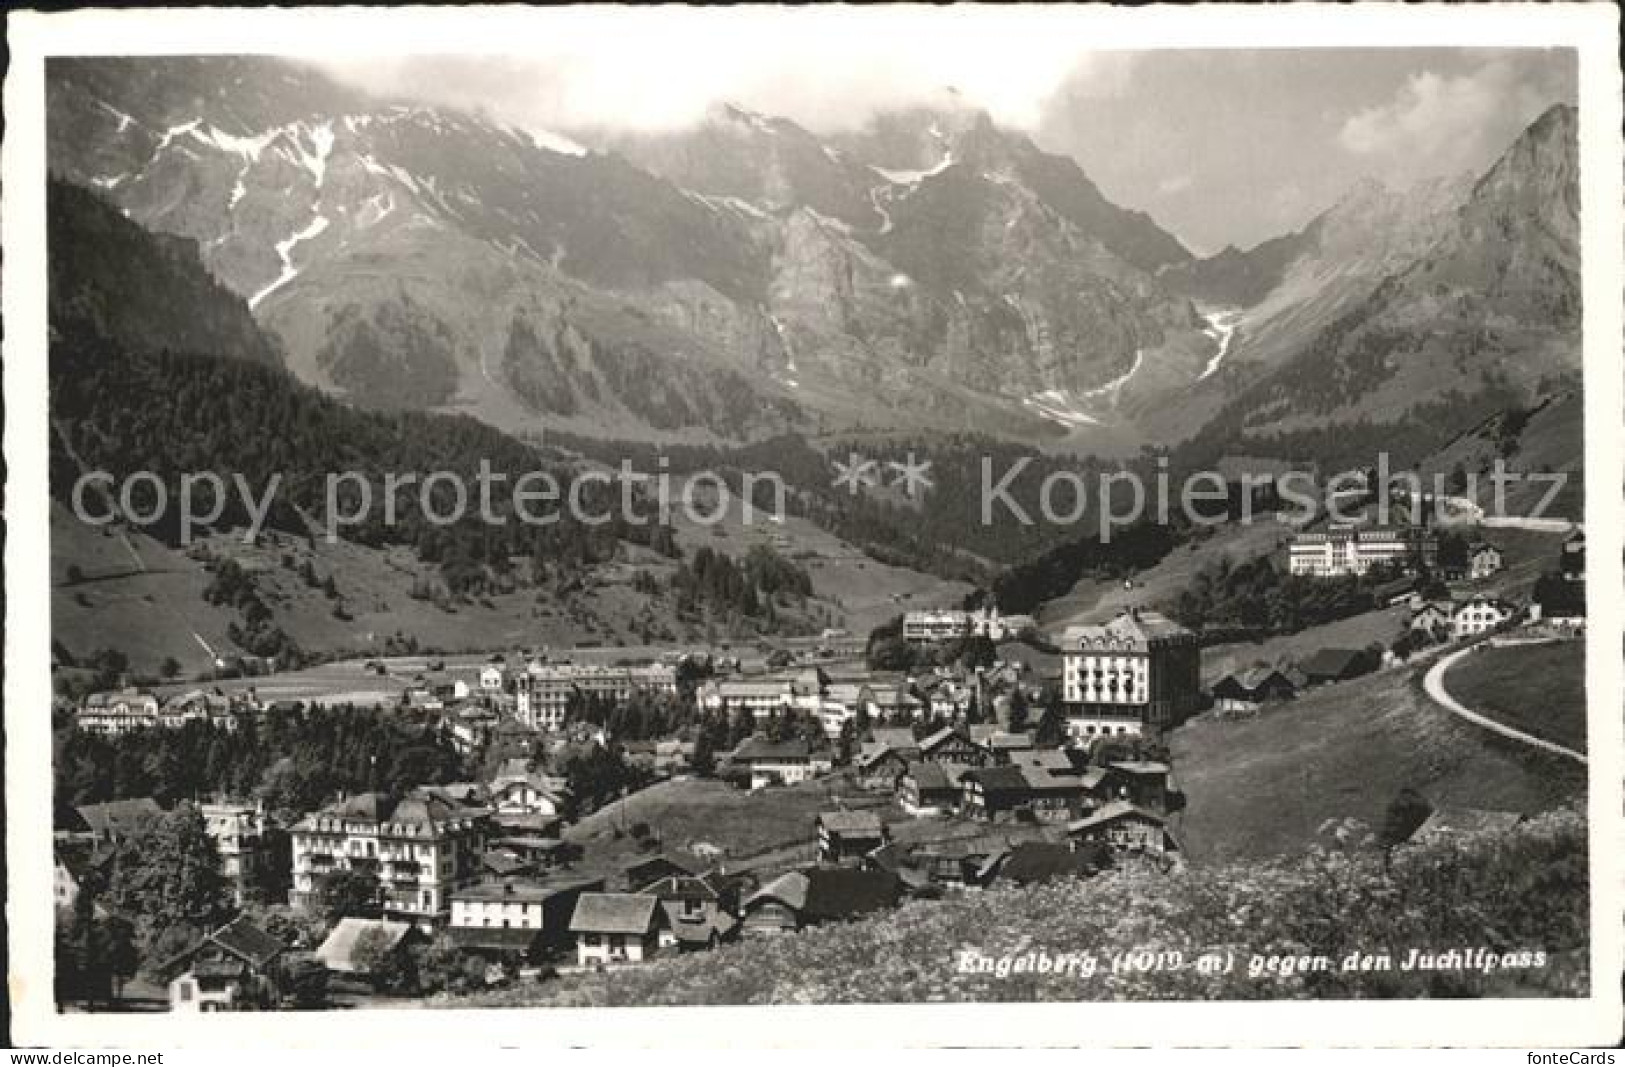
(747, 277)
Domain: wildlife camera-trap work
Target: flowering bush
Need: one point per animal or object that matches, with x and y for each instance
(1523, 890)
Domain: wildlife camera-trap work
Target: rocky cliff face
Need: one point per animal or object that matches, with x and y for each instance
(1482, 296)
(747, 275)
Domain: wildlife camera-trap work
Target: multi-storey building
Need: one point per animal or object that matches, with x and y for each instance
(945, 624)
(1479, 615)
(119, 712)
(238, 831)
(1137, 673)
(544, 691)
(1347, 550)
(420, 847)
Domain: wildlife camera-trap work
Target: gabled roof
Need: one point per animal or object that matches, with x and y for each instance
(760, 748)
(929, 776)
(999, 779)
(1138, 628)
(1451, 821)
(1111, 812)
(119, 816)
(851, 822)
(697, 930)
(338, 951)
(822, 893)
(614, 913)
(900, 738)
(243, 939)
(523, 890)
(1039, 861)
(942, 737)
(640, 872)
(1253, 679)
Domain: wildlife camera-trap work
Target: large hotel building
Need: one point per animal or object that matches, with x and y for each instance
(1346, 550)
(1138, 674)
(542, 693)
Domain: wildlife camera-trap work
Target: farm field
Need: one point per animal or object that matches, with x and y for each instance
(1092, 601)
(1539, 689)
(1264, 786)
(1356, 631)
(684, 812)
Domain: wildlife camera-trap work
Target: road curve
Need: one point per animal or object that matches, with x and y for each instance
(1433, 682)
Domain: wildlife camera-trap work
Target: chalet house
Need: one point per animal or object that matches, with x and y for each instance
(779, 762)
(1002, 747)
(338, 952)
(701, 910)
(1432, 619)
(1479, 615)
(516, 917)
(635, 876)
(613, 929)
(806, 898)
(526, 792)
(1560, 602)
(1483, 560)
(1250, 689)
(950, 745)
(995, 793)
(1031, 862)
(899, 739)
(1335, 665)
(117, 819)
(213, 707)
(899, 860)
(848, 835)
(492, 678)
(1053, 798)
(1125, 828)
(891, 700)
(1143, 783)
(878, 768)
(233, 968)
(931, 788)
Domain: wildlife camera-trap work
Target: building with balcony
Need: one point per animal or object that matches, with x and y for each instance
(420, 847)
(544, 691)
(1342, 551)
(1137, 674)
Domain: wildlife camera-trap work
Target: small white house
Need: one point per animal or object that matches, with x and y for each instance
(1479, 615)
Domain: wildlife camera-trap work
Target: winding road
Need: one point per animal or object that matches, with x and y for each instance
(1433, 683)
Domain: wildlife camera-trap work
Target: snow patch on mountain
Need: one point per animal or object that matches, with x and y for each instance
(914, 177)
(1058, 405)
(1221, 328)
(284, 251)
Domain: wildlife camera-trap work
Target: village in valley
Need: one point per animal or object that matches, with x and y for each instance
(506, 562)
(570, 811)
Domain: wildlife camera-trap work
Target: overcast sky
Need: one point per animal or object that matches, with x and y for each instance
(1221, 147)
